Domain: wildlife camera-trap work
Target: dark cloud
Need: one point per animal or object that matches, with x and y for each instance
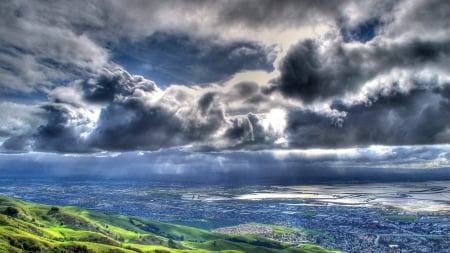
(180, 116)
(312, 73)
(132, 125)
(205, 102)
(58, 135)
(416, 118)
(389, 83)
(420, 117)
(101, 90)
(445, 91)
(301, 73)
(245, 97)
(16, 144)
(249, 133)
(245, 89)
(176, 58)
(241, 129)
(137, 115)
(130, 122)
(111, 83)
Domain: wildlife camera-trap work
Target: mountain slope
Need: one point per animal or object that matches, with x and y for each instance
(30, 227)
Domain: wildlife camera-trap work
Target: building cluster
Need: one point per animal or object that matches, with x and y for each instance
(350, 228)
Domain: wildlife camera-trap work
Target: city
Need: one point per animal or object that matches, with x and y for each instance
(367, 226)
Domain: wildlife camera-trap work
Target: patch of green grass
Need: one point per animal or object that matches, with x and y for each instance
(30, 227)
(155, 248)
(284, 230)
(315, 249)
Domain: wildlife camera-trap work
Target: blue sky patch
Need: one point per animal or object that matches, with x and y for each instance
(363, 32)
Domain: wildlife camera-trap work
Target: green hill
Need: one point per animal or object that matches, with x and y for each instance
(30, 227)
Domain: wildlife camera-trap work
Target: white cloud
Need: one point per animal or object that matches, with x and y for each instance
(37, 54)
(19, 119)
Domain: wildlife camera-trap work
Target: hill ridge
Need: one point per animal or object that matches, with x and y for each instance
(31, 227)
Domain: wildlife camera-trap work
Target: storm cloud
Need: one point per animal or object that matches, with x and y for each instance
(143, 118)
(117, 111)
(421, 117)
(313, 73)
(223, 75)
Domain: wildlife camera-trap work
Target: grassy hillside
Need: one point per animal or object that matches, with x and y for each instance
(30, 227)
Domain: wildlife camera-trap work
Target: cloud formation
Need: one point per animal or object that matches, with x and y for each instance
(37, 54)
(178, 58)
(312, 71)
(367, 77)
(416, 118)
(143, 117)
(117, 111)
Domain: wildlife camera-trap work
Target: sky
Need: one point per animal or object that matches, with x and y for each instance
(234, 90)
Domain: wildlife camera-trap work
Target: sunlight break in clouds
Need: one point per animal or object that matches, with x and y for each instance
(275, 120)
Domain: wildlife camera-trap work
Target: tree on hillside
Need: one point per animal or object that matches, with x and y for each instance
(171, 244)
(11, 211)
